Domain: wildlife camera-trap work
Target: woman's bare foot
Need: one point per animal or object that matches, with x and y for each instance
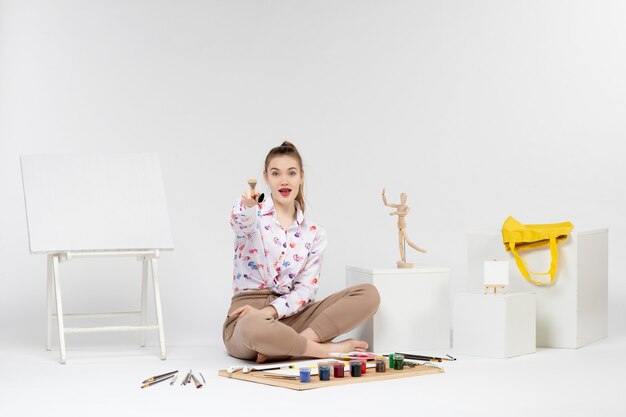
(350, 345)
(323, 350)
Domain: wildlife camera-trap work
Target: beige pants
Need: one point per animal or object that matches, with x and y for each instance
(329, 318)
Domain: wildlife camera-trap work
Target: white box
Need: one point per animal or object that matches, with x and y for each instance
(494, 326)
(414, 310)
(573, 311)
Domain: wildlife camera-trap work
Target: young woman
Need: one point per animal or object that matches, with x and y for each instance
(278, 254)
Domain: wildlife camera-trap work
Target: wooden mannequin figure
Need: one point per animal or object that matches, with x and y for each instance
(401, 211)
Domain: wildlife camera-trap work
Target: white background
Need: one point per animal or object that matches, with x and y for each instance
(476, 109)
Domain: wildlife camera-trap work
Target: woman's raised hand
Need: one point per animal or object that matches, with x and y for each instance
(248, 198)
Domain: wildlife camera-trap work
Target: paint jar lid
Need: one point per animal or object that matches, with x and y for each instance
(355, 362)
(324, 368)
(305, 370)
(398, 357)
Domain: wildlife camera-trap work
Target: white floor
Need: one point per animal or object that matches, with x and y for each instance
(590, 381)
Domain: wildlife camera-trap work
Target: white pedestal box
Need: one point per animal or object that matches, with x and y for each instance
(494, 326)
(414, 310)
(573, 311)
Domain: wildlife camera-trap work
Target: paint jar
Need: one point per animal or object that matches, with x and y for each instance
(338, 370)
(363, 366)
(398, 362)
(305, 374)
(391, 361)
(324, 371)
(381, 366)
(355, 368)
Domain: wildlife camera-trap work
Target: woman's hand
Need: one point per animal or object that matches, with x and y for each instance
(248, 309)
(248, 199)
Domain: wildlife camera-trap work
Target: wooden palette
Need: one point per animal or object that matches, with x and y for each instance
(295, 384)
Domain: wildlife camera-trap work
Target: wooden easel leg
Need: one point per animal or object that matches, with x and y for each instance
(144, 298)
(59, 304)
(157, 303)
(49, 295)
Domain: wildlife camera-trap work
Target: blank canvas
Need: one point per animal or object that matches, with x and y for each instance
(496, 273)
(95, 202)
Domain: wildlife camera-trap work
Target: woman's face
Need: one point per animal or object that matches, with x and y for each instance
(284, 177)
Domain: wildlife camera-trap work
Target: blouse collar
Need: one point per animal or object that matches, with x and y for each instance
(267, 209)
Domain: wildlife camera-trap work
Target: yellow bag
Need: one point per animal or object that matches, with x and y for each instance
(517, 236)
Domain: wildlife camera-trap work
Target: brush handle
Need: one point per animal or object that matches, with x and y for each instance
(195, 380)
(422, 357)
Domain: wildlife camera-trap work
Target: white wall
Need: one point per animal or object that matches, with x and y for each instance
(477, 109)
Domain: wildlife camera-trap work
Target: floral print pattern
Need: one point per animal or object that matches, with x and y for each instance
(266, 256)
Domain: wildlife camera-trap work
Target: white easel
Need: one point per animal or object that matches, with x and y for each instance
(59, 190)
(148, 257)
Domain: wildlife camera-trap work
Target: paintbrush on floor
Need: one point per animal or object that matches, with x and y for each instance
(154, 378)
(149, 384)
